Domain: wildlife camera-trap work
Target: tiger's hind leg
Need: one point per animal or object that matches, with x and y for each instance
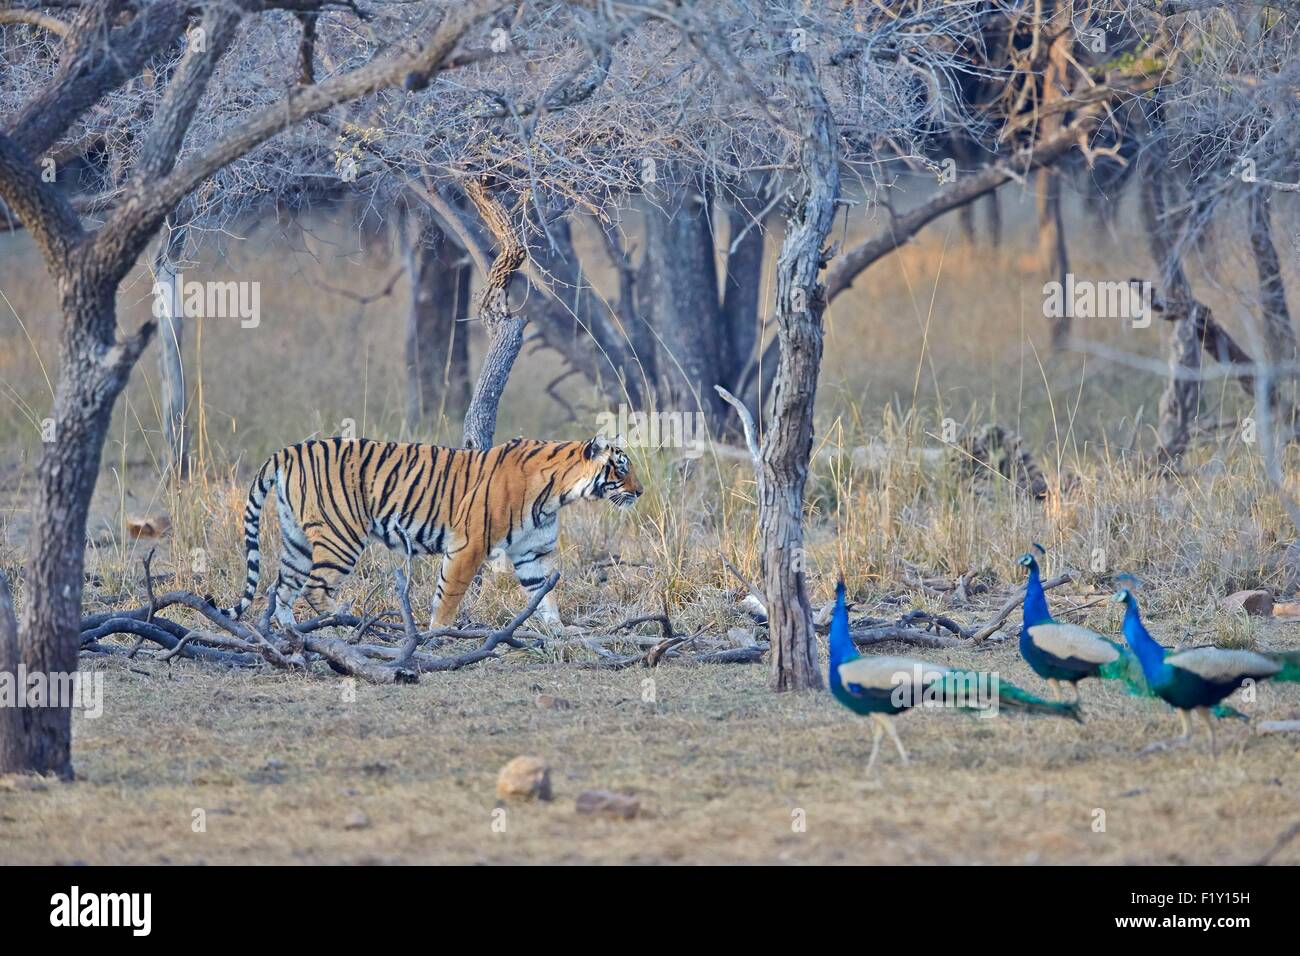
(331, 563)
(454, 579)
(295, 563)
(289, 582)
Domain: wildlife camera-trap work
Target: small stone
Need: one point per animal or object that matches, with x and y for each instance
(356, 820)
(603, 803)
(551, 702)
(1258, 603)
(526, 777)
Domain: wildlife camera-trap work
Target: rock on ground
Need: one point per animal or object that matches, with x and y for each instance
(527, 777)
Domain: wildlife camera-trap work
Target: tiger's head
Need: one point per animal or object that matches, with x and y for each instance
(607, 472)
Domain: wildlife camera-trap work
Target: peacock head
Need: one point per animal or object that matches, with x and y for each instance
(1027, 560)
(1127, 585)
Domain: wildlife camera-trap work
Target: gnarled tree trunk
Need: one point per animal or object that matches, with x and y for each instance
(94, 370)
(787, 444)
(505, 331)
(1052, 249)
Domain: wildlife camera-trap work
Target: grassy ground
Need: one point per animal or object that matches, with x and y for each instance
(282, 765)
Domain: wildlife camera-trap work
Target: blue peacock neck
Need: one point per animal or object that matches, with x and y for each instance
(1149, 654)
(841, 644)
(1036, 611)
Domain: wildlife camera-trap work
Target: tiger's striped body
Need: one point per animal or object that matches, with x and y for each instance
(334, 495)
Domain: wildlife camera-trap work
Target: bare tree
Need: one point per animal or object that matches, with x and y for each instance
(787, 444)
(107, 45)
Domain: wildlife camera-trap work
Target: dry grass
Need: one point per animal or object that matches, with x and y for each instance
(279, 762)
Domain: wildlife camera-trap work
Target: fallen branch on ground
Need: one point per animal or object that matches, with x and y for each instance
(1012, 602)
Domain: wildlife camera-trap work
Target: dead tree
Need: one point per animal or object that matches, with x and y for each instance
(787, 443)
(107, 45)
(781, 460)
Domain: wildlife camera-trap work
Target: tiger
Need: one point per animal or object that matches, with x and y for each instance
(334, 495)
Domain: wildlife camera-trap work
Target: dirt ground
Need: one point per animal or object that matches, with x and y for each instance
(286, 769)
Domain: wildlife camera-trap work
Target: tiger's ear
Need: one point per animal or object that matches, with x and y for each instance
(596, 446)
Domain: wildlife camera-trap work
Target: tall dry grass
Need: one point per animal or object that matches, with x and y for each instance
(942, 329)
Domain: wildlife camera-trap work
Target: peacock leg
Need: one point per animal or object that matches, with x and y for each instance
(1053, 683)
(1209, 723)
(893, 733)
(877, 731)
(1187, 724)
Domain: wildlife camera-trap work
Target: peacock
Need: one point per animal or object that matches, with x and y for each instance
(1198, 679)
(1067, 652)
(879, 687)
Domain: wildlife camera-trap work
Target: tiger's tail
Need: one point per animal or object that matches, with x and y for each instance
(252, 533)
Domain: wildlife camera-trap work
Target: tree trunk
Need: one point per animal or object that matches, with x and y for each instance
(13, 735)
(787, 444)
(682, 292)
(92, 374)
(1181, 399)
(1052, 250)
(87, 269)
(742, 293)
(437, 337)
(171, 366)
(505, 332)
(993, 207)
